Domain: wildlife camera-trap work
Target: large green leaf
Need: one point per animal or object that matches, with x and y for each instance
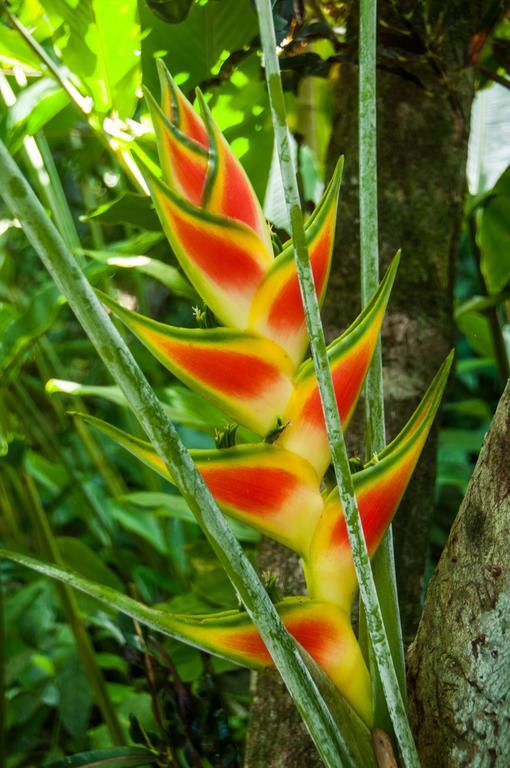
(182, 405)
(195, 46)
(36, 319)
(75, 697)
(173, 506)
(77, 555)
(172, 11)
(476, 328)
(100, 43)
(14, 51)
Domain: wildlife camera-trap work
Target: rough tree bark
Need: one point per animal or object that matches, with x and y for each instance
(459, 664)
(423, 122)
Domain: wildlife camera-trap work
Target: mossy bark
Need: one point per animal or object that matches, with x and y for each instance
(424, 105)
(459, 664)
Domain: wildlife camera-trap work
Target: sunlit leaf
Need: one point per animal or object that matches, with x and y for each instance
(100, 43)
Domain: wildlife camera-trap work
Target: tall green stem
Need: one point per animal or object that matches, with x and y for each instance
(340, 459)
(384, 561)
(145, 405)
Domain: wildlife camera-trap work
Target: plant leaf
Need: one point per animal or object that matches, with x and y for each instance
(167, 275)
(123, 757)
(100, 43)
(130, 208)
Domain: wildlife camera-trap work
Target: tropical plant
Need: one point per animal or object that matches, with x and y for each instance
(252, 370)
(280, 468)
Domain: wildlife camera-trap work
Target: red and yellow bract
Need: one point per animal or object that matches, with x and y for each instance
(252, 370)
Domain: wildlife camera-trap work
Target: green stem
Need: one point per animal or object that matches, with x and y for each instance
(369, 247)
(340, 459)
(116, 356)
(384, 561)
(83, 642)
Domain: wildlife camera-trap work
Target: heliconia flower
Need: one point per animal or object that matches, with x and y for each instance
(322, 629)
(277, 309)
(272, 490)
(379, 488)
(349, 358)
(248, 377)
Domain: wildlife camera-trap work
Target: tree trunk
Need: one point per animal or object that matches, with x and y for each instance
(459, 664)
(423, 122)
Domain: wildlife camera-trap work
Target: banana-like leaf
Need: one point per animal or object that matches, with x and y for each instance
(224, 259)
(274, 491)
(183, 161)
(322, 629)
(249, 378)
(277, 310)
(228, 191)
(379, 488)
(349, 358)
(178, 110)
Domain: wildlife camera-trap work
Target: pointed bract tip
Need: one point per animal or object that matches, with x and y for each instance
(203, 105)
(163, 71)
